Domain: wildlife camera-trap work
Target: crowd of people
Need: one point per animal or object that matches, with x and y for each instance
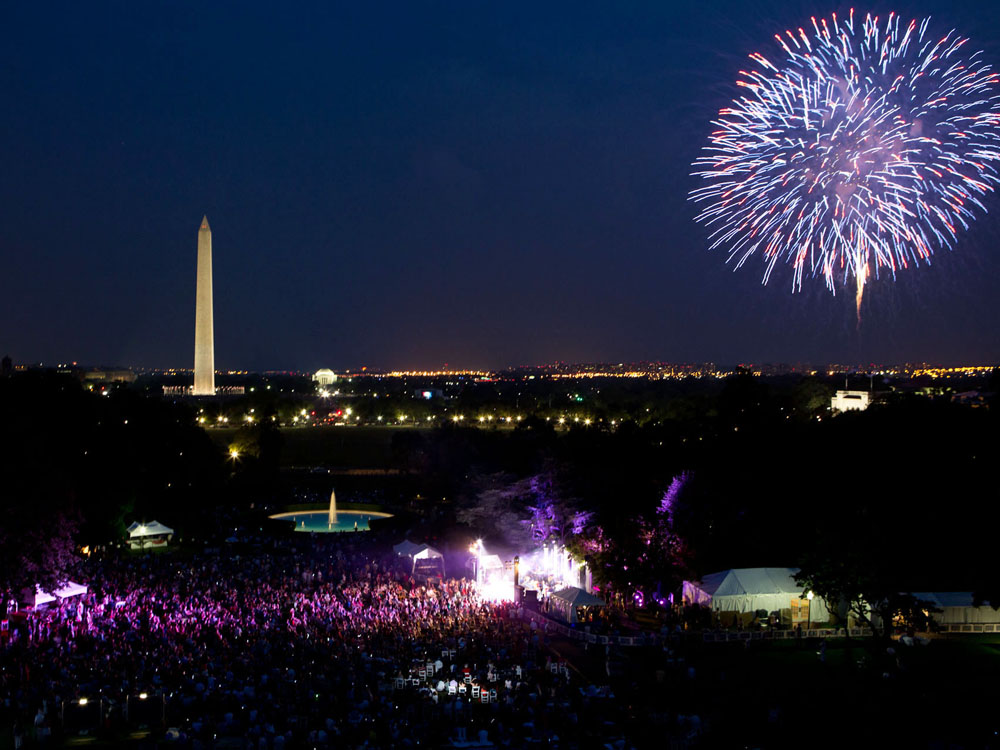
(309, 642)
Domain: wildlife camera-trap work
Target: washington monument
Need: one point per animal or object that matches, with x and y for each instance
(204, 332)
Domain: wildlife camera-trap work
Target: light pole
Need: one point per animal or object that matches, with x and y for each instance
(809, 597)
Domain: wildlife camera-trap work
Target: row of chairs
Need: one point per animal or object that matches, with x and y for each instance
(427, 671)
(478, 693)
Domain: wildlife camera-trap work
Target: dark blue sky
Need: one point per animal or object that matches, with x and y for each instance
(413, 184)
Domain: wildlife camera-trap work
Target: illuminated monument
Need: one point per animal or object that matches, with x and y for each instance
(204, 332)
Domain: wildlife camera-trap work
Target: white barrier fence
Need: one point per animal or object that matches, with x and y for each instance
(708, 636)
(551, 626)
(965, 628)
(723, 636)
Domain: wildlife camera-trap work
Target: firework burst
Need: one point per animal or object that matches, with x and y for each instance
(853, 153)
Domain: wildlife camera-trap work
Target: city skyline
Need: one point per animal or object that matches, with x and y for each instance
(477, 190)
(552, 370)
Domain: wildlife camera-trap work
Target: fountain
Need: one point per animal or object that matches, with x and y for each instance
(330, 520)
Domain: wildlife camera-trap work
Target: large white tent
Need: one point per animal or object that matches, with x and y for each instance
(956, 608)
(747, 590)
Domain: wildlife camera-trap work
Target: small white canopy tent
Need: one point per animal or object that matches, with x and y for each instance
(957, 609)
(565, 603)
(426, 553)
(422, 556)
(747, 590)
(65, 591)
(406, 548)
(141, 535)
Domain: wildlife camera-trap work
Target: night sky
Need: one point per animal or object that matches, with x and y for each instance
(415, 184)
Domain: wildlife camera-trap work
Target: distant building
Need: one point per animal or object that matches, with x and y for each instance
(109, 376)
(188, 390)
(6, 365)
(325, 377)
(850, 401)
(971, 398)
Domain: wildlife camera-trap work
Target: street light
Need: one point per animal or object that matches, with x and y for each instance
(809, 597)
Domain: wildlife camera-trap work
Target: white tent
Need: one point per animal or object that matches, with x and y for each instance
(406, 548)
(65, 591)
(428, 561)
(747, 590)
(565, 603)
(148, 534)
(426, 553)
(153, 528)
(423, 556)
(957, 609)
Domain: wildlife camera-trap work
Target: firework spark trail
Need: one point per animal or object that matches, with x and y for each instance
(857, 154)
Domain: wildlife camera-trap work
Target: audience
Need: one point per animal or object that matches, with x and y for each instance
(321, 642)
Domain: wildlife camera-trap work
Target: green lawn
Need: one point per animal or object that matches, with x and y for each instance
(341, 447)
(768, 693)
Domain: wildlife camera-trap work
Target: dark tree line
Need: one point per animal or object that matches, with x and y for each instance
(76, 466)
(906, 491)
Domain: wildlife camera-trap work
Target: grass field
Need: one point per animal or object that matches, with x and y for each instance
(338, 447)
(782, 694)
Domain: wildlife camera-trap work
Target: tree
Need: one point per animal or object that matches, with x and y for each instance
(74, 462)
(868, 590)
(553, 516)
(526, 513)
(810, 398)
(652, 554)
(36, 551)
(495, 507)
